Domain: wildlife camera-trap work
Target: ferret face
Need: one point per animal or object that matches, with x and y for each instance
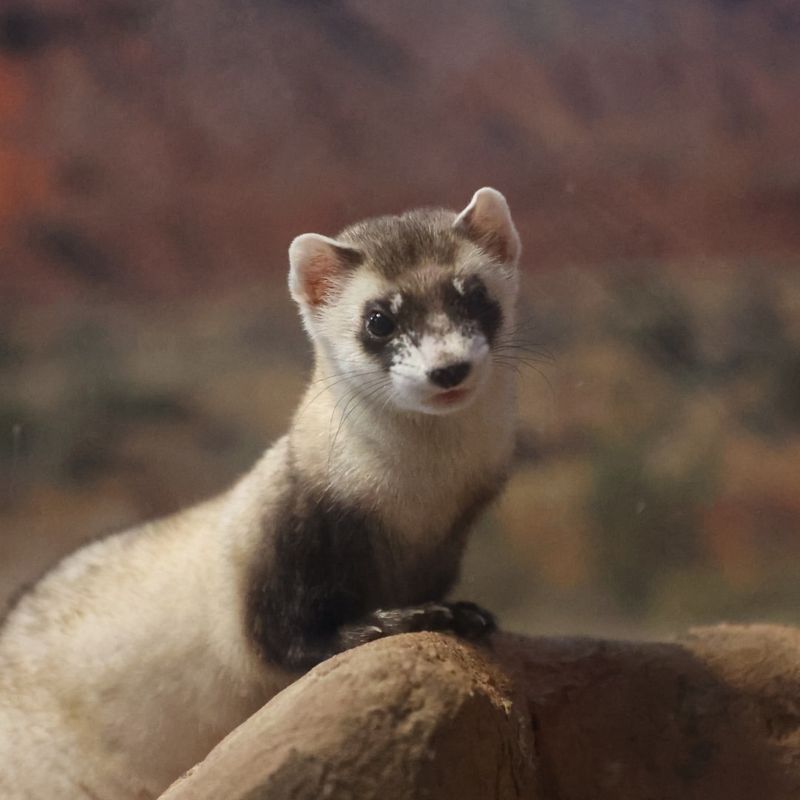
(407, 310)
(427, 335)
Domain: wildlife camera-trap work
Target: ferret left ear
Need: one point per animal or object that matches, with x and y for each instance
(317, 267)
(487, 222)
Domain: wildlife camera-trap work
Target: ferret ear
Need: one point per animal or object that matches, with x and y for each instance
(487, 222)
(317, 265)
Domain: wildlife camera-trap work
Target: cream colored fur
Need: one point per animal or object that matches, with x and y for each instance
(129, 661)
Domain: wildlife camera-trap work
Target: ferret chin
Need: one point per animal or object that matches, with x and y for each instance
(135, 655)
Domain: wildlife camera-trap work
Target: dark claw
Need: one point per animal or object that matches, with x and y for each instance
(355, 635)
(471, 621)
(465, 619)
(428, 617)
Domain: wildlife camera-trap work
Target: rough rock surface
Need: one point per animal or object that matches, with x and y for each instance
(714, 715)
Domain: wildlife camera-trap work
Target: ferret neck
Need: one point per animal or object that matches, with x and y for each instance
(339, 429)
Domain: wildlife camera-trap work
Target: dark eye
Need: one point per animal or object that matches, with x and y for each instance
(380, 325)
(476, 299)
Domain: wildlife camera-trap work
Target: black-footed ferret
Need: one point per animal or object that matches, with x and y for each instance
(133, 657)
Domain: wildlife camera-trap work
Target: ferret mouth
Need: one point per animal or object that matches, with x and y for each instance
(450, 397)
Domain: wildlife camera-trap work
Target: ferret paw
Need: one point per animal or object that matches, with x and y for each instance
(358, 634)
(467, 620)
(426, 617)
(471, 621)
(462, 618)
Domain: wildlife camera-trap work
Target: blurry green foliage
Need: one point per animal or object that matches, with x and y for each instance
(651, 314)
(647, 525)
(662, 387)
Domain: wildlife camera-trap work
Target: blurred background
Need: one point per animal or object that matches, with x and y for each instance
(157, 157)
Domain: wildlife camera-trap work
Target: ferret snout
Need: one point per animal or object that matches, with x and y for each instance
(451, 375)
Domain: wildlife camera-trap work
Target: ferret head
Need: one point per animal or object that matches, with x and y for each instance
(407, 309)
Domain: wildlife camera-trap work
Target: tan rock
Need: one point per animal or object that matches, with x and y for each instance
(715, 715)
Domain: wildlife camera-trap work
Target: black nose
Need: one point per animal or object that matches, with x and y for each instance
(450, 376)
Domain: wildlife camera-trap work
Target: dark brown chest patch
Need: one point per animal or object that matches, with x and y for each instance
(330, 564)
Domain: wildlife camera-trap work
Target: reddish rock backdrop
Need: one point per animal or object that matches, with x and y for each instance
(165, 146)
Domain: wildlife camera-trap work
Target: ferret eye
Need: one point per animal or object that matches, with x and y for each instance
(476, 299)
(380, 325)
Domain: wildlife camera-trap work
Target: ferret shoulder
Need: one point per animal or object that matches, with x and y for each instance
(134, 656)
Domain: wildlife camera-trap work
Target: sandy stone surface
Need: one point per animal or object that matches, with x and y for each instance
(714, 715)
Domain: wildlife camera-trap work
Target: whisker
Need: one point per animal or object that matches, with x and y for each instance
(366, 402)
(515, 361)
(347, 397)
(516, 344)
(528, 360)
(353, 403)
(520, 352)
(507, 365)
(346, 374)
(528, 322)
(340, 378)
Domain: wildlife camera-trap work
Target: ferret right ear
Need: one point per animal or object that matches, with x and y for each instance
(487, 222)
(317, 266)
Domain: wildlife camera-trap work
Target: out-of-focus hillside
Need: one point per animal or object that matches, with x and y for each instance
(170, 145)
(658, 481)
(157, 156)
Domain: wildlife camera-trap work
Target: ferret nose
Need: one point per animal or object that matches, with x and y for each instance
(451, 375)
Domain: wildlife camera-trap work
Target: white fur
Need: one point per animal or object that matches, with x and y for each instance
(412, 388)
(129, 660)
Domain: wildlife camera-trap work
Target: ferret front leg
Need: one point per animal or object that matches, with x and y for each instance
(297, 641)
(462, 618)
(302, 647)
(465, 619)
(315, 592)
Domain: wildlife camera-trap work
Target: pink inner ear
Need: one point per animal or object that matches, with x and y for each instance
(318, 281)
(480, 228)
